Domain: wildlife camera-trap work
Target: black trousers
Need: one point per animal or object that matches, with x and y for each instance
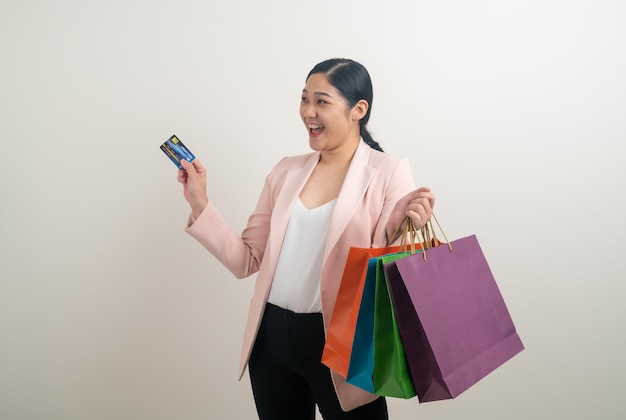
(287, 376)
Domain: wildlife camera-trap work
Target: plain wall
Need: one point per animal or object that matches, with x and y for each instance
(513, 112)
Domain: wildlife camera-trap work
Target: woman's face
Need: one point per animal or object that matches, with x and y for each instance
(325, 113)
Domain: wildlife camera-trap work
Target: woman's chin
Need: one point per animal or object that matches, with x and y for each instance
(315, 144)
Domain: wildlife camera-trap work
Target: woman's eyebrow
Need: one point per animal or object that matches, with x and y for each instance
(318, 93)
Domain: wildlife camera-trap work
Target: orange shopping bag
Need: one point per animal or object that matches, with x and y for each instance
(340, 332)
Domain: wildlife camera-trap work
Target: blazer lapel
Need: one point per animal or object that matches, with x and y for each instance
(352, 191)
(289, 192)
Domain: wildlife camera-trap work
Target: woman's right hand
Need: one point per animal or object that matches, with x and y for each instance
(193, 178)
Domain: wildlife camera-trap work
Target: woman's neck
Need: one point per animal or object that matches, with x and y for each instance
(341, 156)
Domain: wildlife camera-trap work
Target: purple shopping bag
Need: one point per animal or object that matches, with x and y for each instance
(454, 324)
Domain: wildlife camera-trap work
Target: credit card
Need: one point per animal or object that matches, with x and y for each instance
(176, 150)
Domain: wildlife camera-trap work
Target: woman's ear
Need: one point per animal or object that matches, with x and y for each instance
(360, 110)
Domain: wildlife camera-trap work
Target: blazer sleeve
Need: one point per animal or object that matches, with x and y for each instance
(400, 184)
(242, 255)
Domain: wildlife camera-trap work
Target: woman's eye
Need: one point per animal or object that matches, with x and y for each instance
(304, 99)
(321, 102)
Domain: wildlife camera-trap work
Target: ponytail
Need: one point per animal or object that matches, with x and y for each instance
(367, 138)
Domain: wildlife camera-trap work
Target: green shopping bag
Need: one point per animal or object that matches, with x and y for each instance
(391, 375)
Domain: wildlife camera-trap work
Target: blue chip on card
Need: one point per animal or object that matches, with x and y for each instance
(176, 150)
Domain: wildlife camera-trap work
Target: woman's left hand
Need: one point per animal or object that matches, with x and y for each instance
(418, 205)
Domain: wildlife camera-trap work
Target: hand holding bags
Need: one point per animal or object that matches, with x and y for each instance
(454, 325)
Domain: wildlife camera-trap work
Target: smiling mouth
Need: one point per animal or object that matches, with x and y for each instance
(315, 129)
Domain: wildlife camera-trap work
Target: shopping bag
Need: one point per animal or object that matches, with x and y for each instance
(391, 375)
(420, 359)
(456, 329)
(340, 331)
(361, 366)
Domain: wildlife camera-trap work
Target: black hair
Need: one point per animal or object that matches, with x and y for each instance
(353, 81)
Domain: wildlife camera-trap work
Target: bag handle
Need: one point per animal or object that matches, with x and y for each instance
(410, 235)
(407, 232)
(429, 236)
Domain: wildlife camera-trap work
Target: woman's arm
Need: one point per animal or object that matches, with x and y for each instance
(417, 204)
(241, 255)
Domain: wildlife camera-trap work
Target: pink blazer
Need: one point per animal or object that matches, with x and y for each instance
(374, 183)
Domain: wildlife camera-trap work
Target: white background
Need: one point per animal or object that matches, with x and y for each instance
(513, 112)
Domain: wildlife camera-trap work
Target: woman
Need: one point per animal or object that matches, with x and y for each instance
(312, 209)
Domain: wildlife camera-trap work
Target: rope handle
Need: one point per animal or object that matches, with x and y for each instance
(411, 236)
(428, 234)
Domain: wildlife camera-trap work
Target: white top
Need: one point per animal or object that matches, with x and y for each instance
(296, 284)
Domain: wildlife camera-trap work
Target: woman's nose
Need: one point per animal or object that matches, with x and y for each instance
(308, 110)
